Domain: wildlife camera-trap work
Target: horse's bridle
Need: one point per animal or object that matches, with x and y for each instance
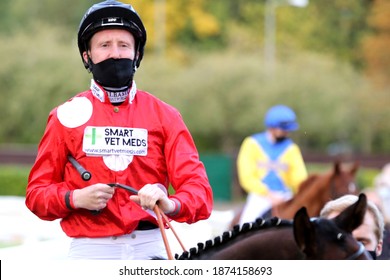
(358, 253)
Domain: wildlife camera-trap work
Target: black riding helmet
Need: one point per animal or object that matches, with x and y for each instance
(111, 14)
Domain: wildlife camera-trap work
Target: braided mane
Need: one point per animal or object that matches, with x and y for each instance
(231, 235)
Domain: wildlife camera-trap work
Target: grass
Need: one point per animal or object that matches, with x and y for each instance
(13, 179)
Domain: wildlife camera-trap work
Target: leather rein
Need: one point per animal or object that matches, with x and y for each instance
(162, 219)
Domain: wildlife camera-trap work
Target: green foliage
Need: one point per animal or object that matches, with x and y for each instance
(376, 45)
(18, 15)
(13, 180)
(224, 96)
(36, 76)
(223, 93)
(337, 27)
(366, 176)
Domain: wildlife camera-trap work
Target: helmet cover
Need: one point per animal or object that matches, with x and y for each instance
(111, 14)
(282, 117)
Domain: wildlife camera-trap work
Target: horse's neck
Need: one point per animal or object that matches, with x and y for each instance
(312, 194)
(210, 247)
(213, 252)
(270, 244)
(232, 238)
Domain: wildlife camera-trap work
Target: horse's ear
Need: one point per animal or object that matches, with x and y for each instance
(354, 168)
(337, 167)
(304, 232)
(353, 215)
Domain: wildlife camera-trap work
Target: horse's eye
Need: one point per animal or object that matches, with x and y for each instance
(340, 236)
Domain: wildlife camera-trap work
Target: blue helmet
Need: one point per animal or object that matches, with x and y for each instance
(282, 117)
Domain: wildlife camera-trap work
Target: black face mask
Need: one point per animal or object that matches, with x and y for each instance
(280, 139)
(114, 73)
(373, 254)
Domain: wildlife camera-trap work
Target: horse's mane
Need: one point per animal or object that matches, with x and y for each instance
(231, 235)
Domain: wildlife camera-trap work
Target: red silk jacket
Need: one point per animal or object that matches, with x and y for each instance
(142, 141)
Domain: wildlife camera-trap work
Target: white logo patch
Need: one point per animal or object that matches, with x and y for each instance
(109, 140)
(117, 163)
(75, 112)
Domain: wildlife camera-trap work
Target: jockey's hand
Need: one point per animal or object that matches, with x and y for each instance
(93, 197)
(152, 194)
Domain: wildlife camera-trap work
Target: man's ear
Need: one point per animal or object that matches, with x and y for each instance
(85, 57)
(379, 248)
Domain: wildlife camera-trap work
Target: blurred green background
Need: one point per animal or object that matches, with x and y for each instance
(212, 60)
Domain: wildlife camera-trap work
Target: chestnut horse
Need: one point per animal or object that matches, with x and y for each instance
(314, 192)
(278, 239)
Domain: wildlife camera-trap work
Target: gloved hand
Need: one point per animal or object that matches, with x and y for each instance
(152, 194)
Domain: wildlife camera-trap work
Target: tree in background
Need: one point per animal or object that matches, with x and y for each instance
(376, 45)
(173, 21)
(210, 65)
(374, 103)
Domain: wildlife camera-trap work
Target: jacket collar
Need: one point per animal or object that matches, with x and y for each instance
(100, 93)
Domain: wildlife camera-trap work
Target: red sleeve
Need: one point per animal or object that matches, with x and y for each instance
(187, 174)
(46, 190)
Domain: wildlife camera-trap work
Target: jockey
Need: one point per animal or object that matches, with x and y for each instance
(123, 135)
(269, 164)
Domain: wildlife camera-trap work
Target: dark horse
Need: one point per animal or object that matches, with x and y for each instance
(278, 239)
(314, 192)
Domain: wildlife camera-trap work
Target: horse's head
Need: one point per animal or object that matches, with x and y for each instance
(322, 238)
(343, 181)
(318, 189)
